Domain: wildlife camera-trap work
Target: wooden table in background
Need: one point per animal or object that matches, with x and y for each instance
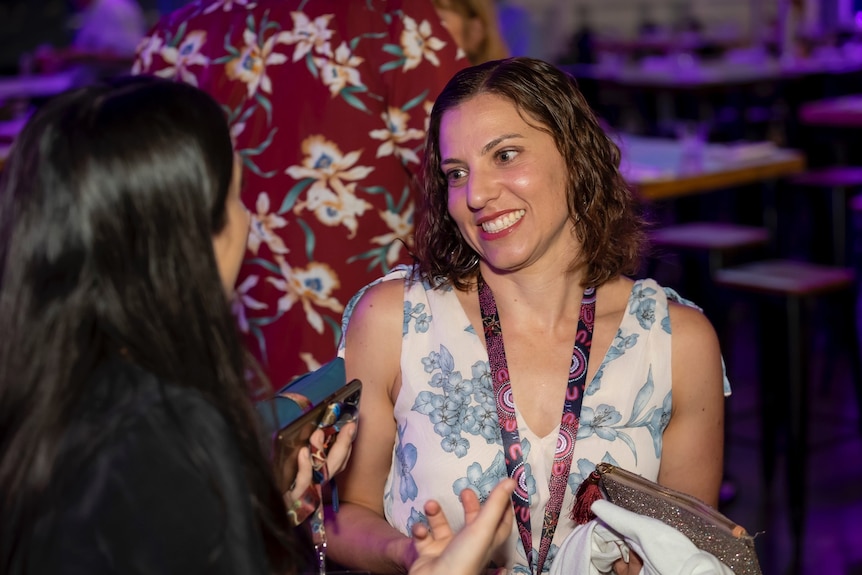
(683, 72)
(661, 169)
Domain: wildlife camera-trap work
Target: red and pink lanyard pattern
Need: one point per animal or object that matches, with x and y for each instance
(509, 424)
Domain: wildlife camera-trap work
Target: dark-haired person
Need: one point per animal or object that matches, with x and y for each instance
(128, 442)
(517, 345)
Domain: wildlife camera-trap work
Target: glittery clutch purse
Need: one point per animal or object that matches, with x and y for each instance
(706, 527)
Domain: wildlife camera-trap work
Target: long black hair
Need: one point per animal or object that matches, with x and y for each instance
(108, 206)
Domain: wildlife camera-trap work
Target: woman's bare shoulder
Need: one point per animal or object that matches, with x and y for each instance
(378, 303)
(688, 320)
(612, 298)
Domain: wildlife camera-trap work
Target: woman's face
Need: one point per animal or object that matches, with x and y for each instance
(230, 242)
(506, 185)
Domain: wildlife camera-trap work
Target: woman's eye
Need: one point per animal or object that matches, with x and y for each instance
(506, 155)
(453, 176)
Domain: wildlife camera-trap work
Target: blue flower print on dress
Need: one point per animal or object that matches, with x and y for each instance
(416, 517)
(483, 385)
(447, 418)
(549, 560)
(417, 314)
(481, 482)
(655, 420)
(482, 420)
(596, 383)
(583, 467)
(640, 293)
(619, 346)
(456, 444)
(604, 420)
(644, 308)
(599, 421)
(442, 361)
(405, 455)
(658, 422)
(464, 406)
(665, 323)
(521, 567)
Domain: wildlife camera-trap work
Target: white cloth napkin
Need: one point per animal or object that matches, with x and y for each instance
(592, 548)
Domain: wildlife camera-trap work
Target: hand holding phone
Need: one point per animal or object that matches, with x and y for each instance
(330, 415)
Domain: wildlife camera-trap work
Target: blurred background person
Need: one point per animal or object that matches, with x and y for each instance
(328, 103)
(106, 34)
(108, 26)
(475, 25)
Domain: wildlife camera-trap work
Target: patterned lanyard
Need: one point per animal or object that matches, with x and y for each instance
(509, 424)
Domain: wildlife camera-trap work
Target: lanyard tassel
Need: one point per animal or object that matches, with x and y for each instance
(587, 494)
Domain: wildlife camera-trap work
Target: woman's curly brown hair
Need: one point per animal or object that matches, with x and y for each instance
(603, 210)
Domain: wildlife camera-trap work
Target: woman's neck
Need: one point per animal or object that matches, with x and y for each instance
(538, 300)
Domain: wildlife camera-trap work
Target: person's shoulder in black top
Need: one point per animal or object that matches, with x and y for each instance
(149, 481)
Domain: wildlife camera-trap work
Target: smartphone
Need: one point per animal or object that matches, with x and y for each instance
(335, 410)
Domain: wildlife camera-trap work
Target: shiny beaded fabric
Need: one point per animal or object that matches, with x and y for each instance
(707, 528)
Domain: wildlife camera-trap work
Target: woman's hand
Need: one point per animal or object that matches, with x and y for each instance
(338, 453)
(487, 527)
(336, 460)
(631, 567)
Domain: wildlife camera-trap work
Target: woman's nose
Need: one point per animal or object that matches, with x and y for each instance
(480, 190)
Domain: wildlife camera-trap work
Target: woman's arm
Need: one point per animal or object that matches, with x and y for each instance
(358, 535)
(693, 443)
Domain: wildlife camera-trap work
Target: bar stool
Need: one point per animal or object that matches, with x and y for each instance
(716, 239)
(721, 243)
(840, 181)
(797, 285)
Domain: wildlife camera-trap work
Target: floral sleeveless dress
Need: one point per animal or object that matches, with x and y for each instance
(448, 438)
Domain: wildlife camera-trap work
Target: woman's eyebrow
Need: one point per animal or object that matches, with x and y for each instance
(486, 148)
(493, 143)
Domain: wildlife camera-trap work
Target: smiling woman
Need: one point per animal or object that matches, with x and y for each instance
(488, 150)
(526, 228)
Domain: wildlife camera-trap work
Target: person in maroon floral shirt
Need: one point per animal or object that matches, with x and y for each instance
(328, 103)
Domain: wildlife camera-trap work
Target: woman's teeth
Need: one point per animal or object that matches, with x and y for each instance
(503, 222)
